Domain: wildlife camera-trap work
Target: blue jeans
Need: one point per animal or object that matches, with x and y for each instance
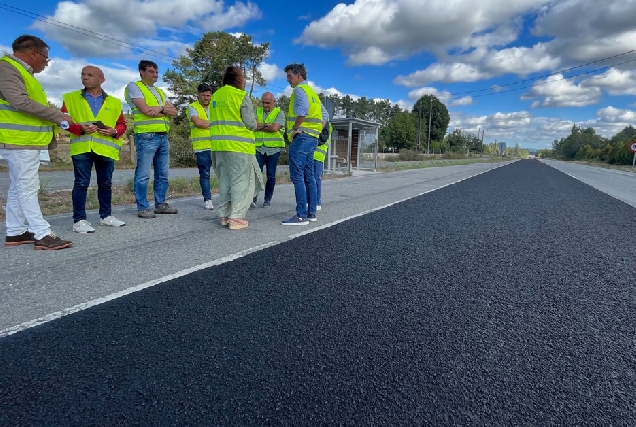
(204, 162)
(270, 163)
(301, 172)
(152, 149)
(82, 166)
(318, 168)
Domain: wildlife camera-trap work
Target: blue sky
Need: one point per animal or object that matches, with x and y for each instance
(496, 65)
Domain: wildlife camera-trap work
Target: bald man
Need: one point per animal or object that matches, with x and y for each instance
(95, 140)
(269, 142)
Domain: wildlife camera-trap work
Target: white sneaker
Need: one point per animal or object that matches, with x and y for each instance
(83, 226)
(111, 221)
(318, 208)
(208, 204)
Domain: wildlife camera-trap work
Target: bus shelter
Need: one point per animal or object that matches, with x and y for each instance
(354, 145)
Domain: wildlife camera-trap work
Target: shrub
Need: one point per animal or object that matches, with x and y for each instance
(181, 154)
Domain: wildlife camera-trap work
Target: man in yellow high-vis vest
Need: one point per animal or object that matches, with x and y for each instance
(95, 141)
(306, 117)
(151, 111)
(27, 126)
(269, 142)
(201, 137)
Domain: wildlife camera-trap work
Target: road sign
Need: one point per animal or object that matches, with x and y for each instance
(633, 147)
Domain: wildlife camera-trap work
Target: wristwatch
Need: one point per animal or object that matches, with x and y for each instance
(114, 135)
(64, 124)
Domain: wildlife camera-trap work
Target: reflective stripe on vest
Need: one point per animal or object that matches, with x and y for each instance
(312, 124)
(321, 151)
(268, 139)
(229, 133)
(21, 129)
(201, 138)
(104, 145)
(146, 124)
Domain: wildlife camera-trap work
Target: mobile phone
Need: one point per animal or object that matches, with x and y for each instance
(100, 125)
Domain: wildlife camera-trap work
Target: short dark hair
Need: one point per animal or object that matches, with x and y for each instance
(232, 77)
(27, 42)
(204, 87)
(297, 69)
(144, 63)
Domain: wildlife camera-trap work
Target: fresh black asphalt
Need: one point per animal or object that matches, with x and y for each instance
(505, 299)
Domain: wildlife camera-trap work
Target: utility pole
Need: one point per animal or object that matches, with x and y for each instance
(430, 110)
(419, 125)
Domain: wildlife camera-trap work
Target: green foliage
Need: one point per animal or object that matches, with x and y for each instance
(207, 60)
(463, 141)
(181, 154)
(400, 132)
(578, 138)
(621, 154)
(439, 118)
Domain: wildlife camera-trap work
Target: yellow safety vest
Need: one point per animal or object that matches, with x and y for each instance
(312, 124)
(321, 151)
(229, 133)
(147, 124)
(80, 111)
(201, 138)
(268, 139)
(22, 129)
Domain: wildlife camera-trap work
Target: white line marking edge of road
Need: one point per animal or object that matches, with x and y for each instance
(83, 306)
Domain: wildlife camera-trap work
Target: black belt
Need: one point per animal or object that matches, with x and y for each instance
(160, 133)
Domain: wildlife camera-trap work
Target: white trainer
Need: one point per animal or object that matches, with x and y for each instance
(83, 226)
(318, 208)
(208, 205)
(111, 221)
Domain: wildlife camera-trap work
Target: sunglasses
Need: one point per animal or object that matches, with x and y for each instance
(46, 58)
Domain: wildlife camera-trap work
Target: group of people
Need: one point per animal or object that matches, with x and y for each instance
(227, 134)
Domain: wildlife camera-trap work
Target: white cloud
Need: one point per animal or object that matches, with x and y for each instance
(447, 73)
(75, 25)
(271, 72)
(62, 76)
(466, 100)
(614, 81)
(559, 92)
(377, 31)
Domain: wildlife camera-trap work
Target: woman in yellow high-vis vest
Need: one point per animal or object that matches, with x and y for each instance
(232, 123)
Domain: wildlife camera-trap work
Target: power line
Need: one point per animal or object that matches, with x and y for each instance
(555, 80)
(547, 75)
(84, 31)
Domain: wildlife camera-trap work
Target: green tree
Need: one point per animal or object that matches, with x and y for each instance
(440, 118)
(207, 60)
(400, 133)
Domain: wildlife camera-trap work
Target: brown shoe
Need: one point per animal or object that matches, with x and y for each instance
(51, 243)
(21, 239)
(238, 223)
(165, 208)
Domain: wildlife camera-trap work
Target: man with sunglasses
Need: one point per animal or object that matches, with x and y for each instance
(27, 126)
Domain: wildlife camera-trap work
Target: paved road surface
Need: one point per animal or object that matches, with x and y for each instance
(504, 299)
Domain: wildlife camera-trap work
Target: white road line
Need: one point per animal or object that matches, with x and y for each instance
(83, 306)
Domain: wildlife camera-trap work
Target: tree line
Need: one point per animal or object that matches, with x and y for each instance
(586, 144)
